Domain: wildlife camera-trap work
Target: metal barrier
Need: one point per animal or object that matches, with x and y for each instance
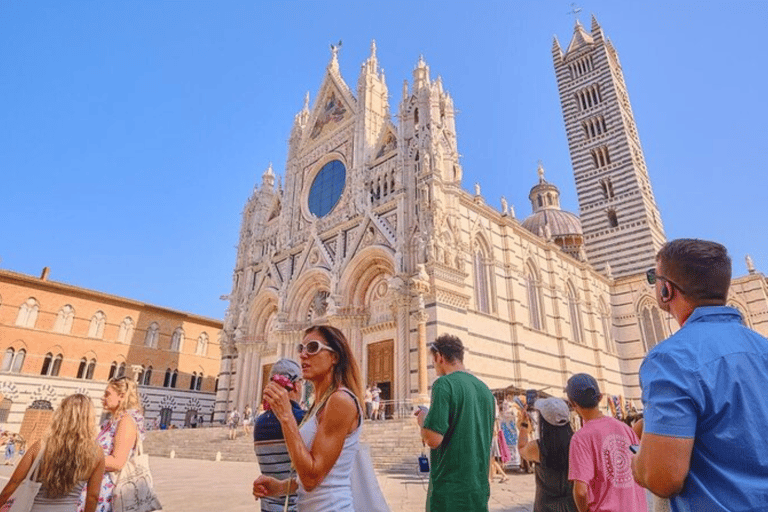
(395, 409)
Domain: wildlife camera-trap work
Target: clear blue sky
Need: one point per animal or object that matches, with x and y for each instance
(132, 133)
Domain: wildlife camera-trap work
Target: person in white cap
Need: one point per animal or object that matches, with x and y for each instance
(554, 492)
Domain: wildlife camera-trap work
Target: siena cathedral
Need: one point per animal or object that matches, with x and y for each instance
(372, 232)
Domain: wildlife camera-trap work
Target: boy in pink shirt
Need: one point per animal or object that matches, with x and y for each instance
(599, 462)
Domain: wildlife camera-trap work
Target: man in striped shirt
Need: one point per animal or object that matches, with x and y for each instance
(268, 440)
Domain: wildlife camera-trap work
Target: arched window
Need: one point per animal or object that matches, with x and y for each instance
(125, 333)
(153, 331)
(613, 219)
(82, 368)
(120, 371)
(174, 377)
(202, 344)
(64, 319)
(112, 370)
(8, 358)
(481, 282)
(51, 365)
(199, 383)
(46, 364)
(605, 320)
(177, 339)
(534, 298)
(91, 368)
(147, 377)
(574, 313)
(96, 329)
(167, 380)
(27, 316)
(651, 324)
(193, 381)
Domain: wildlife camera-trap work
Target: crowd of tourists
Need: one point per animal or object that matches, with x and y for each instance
(697, 446)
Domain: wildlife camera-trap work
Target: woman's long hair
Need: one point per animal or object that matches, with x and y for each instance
(554, 445)
(346, 372)
(129, 393)
(71, 451)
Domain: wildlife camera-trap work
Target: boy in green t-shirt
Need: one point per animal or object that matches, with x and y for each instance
(458, 428)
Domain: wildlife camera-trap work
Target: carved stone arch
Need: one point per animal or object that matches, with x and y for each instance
(651, 321)
(480, 240)
(737, 304)
(303, 292)
(366, 266)
(259, 315)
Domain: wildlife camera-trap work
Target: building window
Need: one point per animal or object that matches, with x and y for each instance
(125, 333)
(147, 380)
(534, 299)
(96, 329)
(613, 219)
(64, 319)
(13, 361)
(174, 376)
(51, 365)
(327, 188)
(5, 409)
(574, 314)
(199, 383)
(481, 282)
(112, 370)
(153, 331)
(600, 157)
(606, 185)
(82, 368)
(177, 339)
(202, 344)
(91, 368)
(120, 371)
(27, 316)
(167, 380)
(192, 381)
(651, 325)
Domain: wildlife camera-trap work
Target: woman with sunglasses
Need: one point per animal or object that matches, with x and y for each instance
(323, 447)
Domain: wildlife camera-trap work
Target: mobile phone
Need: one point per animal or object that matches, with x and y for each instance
(421, 408)
(634, 448)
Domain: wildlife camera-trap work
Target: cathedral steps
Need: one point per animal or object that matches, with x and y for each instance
(395, 444)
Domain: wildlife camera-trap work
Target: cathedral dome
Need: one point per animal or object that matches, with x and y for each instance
(550, 222)
(559, 222)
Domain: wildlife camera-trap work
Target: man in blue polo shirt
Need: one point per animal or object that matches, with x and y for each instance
(703, 443)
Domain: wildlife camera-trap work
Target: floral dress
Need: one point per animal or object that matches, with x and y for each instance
(106, 440)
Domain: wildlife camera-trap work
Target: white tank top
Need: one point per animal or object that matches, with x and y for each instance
(335, 491)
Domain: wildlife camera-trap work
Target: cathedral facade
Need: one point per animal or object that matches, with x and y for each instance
(373, 233)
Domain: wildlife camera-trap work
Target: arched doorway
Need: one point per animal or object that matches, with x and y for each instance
(381, 370)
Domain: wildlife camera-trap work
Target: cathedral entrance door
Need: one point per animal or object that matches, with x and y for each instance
(381, 369)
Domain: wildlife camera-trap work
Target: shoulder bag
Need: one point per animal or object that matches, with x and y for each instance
(134, 491)
(23, 497)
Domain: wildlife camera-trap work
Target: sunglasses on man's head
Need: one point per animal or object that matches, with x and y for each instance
(313, 347)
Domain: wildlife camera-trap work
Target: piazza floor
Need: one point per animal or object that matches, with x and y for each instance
(187, 485)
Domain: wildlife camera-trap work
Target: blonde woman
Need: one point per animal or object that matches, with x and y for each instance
(119, 433)
(322, 449)
(71, 458)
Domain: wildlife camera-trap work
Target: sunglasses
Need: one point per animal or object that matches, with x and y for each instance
(651, 276)
(313, 347)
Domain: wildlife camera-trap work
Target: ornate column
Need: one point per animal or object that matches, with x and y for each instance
(421, 322)
(237, 395)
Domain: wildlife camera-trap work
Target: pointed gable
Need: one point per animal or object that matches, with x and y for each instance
(580, 39)
(387, 142)
(333, 105)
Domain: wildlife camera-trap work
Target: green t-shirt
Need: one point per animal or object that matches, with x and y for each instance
(463, 412)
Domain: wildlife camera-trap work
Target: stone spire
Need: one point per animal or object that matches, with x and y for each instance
(268, 178)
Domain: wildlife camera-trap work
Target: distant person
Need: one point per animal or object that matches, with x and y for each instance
(376, 408)
(268, 440)
(705, 416)
(368, 402)
(119, 434)
(554, 492)
(10, 451)
(233, 420)
(70, 458)
(324, 447)
(598, 461)
(247, 419)
(458, 429)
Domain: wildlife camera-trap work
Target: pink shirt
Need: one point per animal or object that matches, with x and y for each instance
(600, 457)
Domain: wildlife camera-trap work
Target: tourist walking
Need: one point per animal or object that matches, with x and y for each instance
(233, 420)
(247, 419)
(458, 429)
(268, 440)
(322, 450)
(598, 462)
(64, 461)
(703, 389)
(554, 492)
(119, 433)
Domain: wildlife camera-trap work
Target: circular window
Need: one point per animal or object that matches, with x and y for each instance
(327, 188)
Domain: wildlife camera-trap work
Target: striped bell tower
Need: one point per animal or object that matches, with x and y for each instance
(621, 222)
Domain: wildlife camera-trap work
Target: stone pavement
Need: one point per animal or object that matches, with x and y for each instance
(188, 485)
